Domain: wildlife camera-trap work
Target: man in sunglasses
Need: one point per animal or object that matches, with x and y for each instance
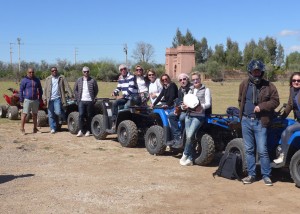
(55, 89)
(31, 93)
(176, 116)
(85, 90)
(258, 98)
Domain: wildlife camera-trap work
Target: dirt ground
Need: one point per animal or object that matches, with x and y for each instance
(60, 173)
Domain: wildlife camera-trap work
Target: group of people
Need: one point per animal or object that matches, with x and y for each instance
(55, 99)
(257, 98)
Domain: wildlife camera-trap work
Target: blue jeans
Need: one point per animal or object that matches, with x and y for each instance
(253, 131)
(192, 124)
(116, 103)
(54, 111)
(175, 129)
(85, 109)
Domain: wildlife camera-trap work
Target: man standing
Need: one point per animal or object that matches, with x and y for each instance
(127, 85)
(86, 90)
(30, 97)
(185, 85)
(55, 90)
(258, 98)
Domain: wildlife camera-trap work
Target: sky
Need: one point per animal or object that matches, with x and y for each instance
(90, 30)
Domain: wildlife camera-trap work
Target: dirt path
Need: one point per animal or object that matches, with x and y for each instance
(60, 173)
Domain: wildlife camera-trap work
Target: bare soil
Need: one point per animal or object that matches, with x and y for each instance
(60, 173)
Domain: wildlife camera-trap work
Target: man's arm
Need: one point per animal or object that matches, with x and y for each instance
(273, 102)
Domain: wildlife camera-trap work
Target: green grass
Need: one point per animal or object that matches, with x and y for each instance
(222, 95)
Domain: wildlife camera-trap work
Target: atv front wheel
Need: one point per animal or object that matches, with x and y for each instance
(295, 168)
(154, 139)
(13, 113)
(73, 122)
(42, 119)
(127, 133)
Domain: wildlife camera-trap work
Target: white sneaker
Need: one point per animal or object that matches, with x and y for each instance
(87, 133)
(188, 162)
(52, 131)
(183, 159)
(279, 159)
(80, 134)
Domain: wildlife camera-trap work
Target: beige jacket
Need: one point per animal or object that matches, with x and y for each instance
(64, 88)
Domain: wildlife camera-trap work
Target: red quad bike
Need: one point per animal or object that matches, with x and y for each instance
(12, 109)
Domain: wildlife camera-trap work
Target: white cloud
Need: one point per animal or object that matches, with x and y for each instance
(288, 33)
(294, 48)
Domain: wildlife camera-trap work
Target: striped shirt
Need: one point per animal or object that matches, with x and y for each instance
(127, 85)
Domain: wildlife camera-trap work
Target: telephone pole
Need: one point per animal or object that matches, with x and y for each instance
(125, 50)
(75, 54)
(19, 44)
(10, 52)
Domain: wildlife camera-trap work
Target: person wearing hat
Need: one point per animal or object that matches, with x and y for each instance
(127, 85)
(197, 102)
(85, 90)
(258, 98)
(175, 116)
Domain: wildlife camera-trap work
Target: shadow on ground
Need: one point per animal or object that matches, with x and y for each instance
(7, 178)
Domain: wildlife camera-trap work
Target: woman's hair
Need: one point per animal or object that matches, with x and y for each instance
(196, 73)
(152, 71)
(164, 75)
(292, 76)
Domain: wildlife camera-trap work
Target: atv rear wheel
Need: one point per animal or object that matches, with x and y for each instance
(205, 149)
(295, 168)
(237, 146)
(127, 133)
(3, 111)
(154, 139)
(98, 128)
(73, 122)
(13, 113)
(42, 119)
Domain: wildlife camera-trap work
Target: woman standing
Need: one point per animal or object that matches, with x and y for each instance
(155, 86)
(169, 92)
(194, 120)
(293, 104)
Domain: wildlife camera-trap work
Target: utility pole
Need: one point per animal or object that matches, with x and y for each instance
(125, 50)
(75, 54)
(19, 43)
(10, 52)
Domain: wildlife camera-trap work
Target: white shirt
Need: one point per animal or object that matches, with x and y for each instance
(141, 84)
(54, 89)
(155, 88)
(85, 92)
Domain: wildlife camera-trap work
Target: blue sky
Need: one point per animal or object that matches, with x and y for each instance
(51, 29)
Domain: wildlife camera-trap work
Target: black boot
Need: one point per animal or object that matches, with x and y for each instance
(113, 128)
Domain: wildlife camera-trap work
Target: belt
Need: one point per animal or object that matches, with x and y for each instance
(250, 117)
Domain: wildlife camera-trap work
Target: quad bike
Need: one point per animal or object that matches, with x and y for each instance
(274, 132)
(12, 110)
(214, 134)
(131, 123)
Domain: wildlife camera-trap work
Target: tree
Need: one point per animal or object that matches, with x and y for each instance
(178, 39)
(219, 54)
(280, 56)
(233, 55)
(143, 52)
(249, 51)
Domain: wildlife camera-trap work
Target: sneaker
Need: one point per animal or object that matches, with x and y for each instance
(188, 162)
(87, 133)
(248, 180)
(22, 131)
(268, 181)
(279, 159)
(35, 130)
(183, 159)
(80, 134)
(52, 131)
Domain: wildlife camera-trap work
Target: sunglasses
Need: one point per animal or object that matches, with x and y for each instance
(123, 69)
(138, 69)
(31, 72)
(53, 70)
(182, 79)
(296, 80)
(196, 80)
(164, 79)
(150, 75)
(86, 71)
